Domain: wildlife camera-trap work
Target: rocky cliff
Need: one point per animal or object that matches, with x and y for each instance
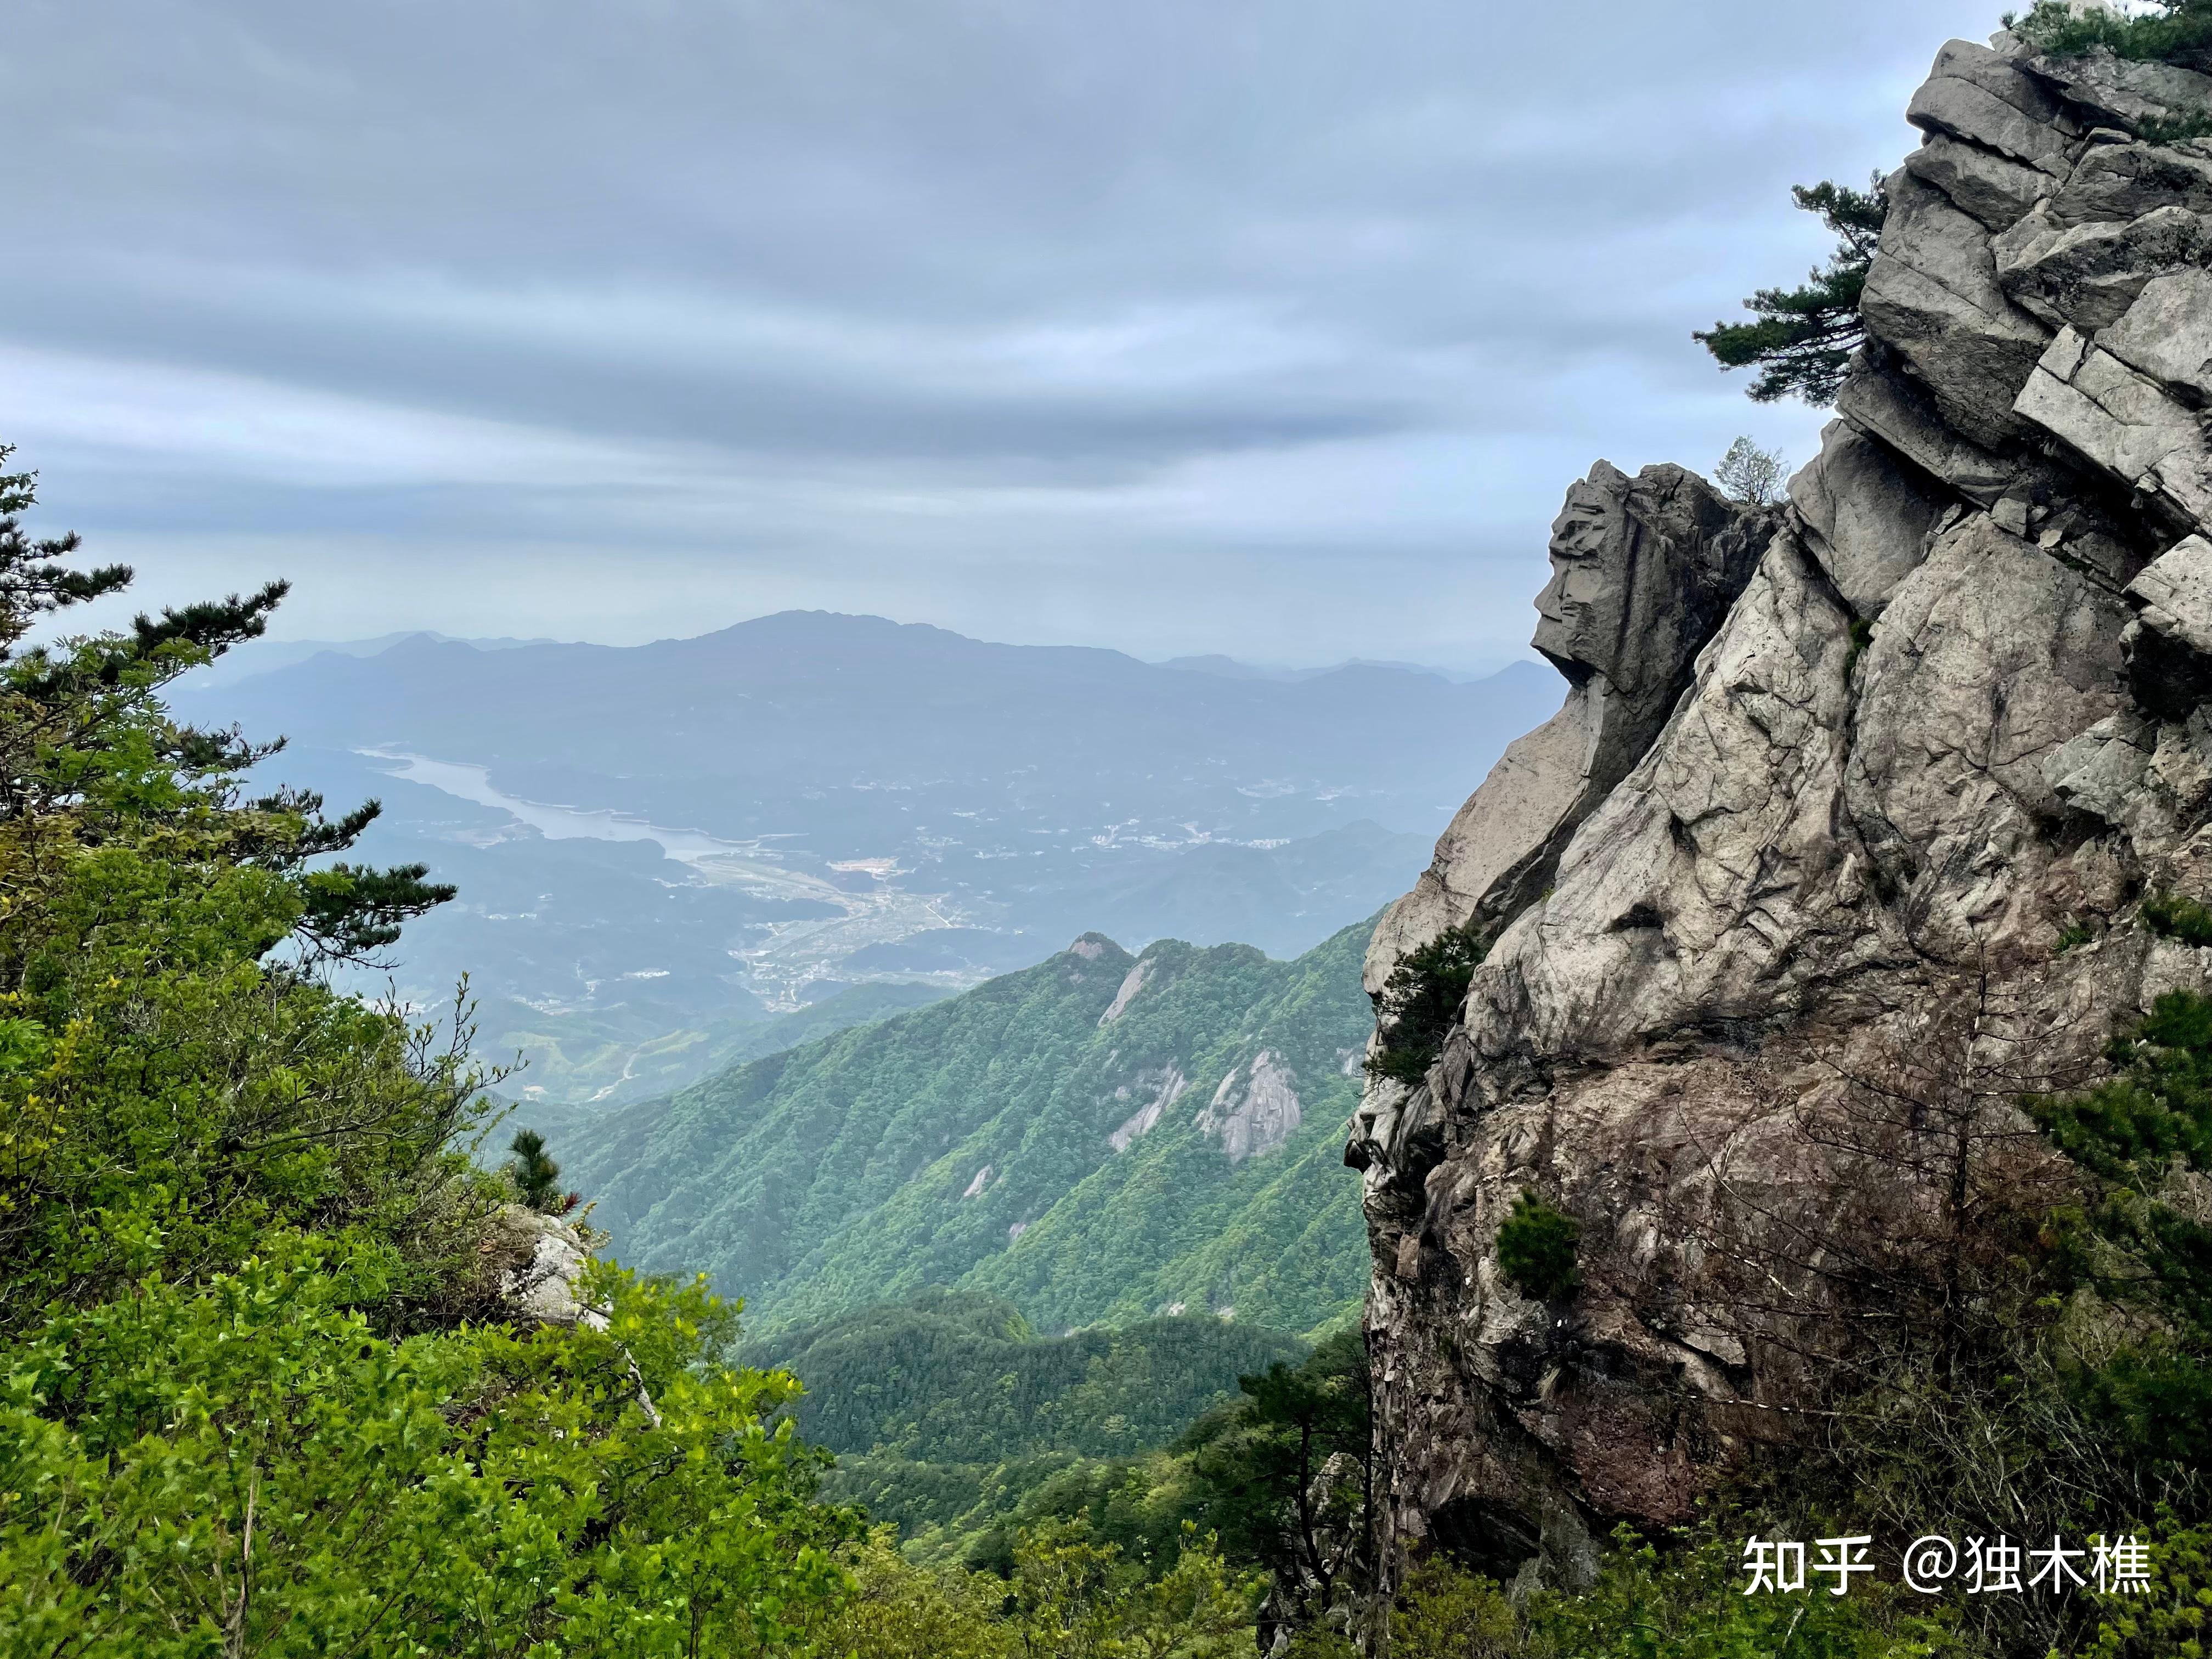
(1939, 720)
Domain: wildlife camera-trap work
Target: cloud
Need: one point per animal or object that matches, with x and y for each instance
(1270, 326)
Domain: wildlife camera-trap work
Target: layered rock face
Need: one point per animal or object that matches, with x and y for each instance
(1943, 713)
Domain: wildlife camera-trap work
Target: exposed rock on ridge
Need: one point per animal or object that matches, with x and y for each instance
(1812, 765)
(1643, 571)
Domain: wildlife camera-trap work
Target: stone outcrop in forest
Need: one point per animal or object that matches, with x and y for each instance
(1933, 728)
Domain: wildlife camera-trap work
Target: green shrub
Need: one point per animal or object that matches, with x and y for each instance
(2170, 1617)
(2132, 1245)
(2180, 31)
(2173, 916)
(2155, 131)
(1420, 1003)
(1536, 1248)
(252, 1397)
(1687, 1601)
(243, 1466)
(1442, 1613)
(1319, 1642)
(1682, 1598)
(902, 1611)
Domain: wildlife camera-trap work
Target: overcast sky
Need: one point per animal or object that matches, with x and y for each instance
(1270, 327)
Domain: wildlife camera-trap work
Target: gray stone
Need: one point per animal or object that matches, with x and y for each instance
(2120, 183)
(1928, 733)
(1255, 1110)
(1933, 296)
(1865, 516)
(1498, 838)
(1643, 570)
(2122, 422)
(2150, 779)
(2124, 93)
(2172, 595)
(1991, 656)
(2088, 275)
(1995, 191)
(1976, 94)
(2101, 771)
(1883, 405)
(2167, 334)
(2170, 646)
(552, 1253)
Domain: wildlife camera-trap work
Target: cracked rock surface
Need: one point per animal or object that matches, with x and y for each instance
(1950, 703)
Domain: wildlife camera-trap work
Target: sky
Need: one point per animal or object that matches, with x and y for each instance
(1268, 327)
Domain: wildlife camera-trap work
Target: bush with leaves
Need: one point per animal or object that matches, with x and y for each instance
(2168, 1618)
(1419, 1002)
(243, 1466)
(1285, 1478)
(1751, 474)
(176, 1079)
(1073, 1597)
(1536, 1248)
(2175, 915)
(898, 1610)
(243, 1409)
(2173, 32)
(1685, 1600)
(1442, 1612)
(2141, 1245)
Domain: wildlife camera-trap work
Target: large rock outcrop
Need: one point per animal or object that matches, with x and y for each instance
(1947, 712)
(1643, 571)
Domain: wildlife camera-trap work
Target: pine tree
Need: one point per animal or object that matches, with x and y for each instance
(536, 1175)
(83, 740)
(1804, 336)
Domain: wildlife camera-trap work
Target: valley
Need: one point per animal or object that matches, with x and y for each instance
(794, 955)
(662, 848)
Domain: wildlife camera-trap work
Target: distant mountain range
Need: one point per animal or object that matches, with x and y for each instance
(1230, 668)
(658, 845)
(266, 656)
(1099, 1138)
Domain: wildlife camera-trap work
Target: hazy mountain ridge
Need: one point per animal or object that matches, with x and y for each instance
(664, 731)
(1181, 1155)
(656, 841)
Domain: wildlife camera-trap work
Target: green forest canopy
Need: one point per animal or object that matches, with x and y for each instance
(255, 1400)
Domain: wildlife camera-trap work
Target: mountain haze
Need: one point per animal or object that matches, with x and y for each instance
(722, 731)
(659, 846)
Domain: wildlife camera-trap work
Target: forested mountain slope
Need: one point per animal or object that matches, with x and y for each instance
(956, 1421)
(1101, 1137)
(610, 1058)
(953, 1377)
